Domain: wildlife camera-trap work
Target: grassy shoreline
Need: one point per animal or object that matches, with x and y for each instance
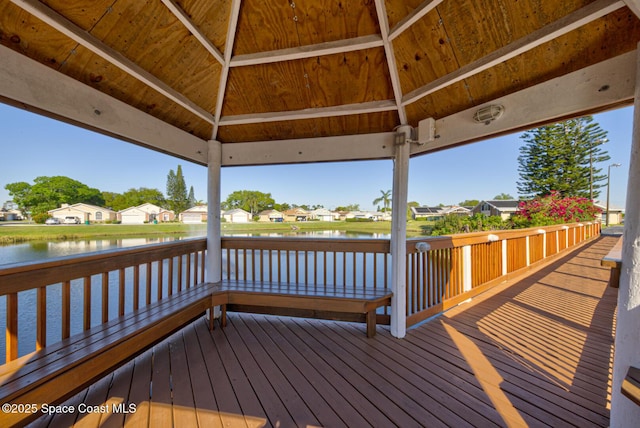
(16, 233)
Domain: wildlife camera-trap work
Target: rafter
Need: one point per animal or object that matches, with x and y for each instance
(383, 23)
(72, 31)
(554, 30)
(311, 113)
(177, 11)
(415, 15)
(224, 74)
(309, 51)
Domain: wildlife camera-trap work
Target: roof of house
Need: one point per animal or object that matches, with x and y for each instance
(234, 211)
(80, 206)
(196, 209)
(268, 79)
(503, 204)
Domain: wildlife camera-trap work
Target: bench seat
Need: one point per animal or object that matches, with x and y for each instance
(58, 371)
(613, 259)
(312, 301)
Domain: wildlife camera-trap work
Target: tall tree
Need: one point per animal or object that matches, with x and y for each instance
(385, 198)
(191, 199)
(48, 193)
(503, 197)
(134, 197)
(177, 198)
(249, 200)
(563, 158)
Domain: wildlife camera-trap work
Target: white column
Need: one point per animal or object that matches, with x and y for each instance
(214, 234)
(624, 413)
(466, 268)
(504, 257)
(527, 251)
(399, 236)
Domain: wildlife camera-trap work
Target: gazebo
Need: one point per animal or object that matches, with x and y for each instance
(229, 83)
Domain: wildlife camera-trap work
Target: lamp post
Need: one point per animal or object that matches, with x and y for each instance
(615, 165)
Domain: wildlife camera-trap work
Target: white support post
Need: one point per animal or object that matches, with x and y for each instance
(544, 243)
(399, 235)
(557, 241)
(466, 268)
(625, 413)
(214, 234)
(504, 257)
(527, 251)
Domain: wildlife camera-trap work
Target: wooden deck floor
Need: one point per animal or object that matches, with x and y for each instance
(537, 352)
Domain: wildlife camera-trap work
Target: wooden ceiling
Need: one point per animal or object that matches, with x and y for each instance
(256, 71)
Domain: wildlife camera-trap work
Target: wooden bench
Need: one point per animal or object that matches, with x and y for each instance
(58, 371)
(613, 259)
(326, 302)
(631, 385)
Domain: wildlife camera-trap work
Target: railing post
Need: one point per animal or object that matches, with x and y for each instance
(399, 233)
(527, 251)
(214, 234)
(544, 242)
(467, 282)
(504, 257)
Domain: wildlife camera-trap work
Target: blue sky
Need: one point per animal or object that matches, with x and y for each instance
(34, 146)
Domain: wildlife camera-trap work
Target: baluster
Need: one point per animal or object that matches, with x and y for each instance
(179, 273)
(86, 312)
(105, 297)
(160, 278)
(66, 309)
(121, 291)
(148, 281)
(136, 287)
(202, 266)
(188, 272)
(12, 327)
(41, 328)
(170, 277)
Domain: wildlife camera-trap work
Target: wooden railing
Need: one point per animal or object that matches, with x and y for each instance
(356, 263)
(444, 271)
(88, 290)
(92, 289)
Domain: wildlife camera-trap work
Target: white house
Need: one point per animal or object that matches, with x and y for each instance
(197, 214)
(273, 216)
(322, 214)
(505, 208)
(85, 212)
(237, 215)
(146, 212)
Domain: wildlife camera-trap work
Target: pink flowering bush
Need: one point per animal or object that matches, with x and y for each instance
(555, 209)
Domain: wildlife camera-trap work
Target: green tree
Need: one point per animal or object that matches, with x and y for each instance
(177, 198)
(469, 203)
(134, 197)
(350, 207)
(249, 200)
(191, 199)
(503, 197)
(48, 193)
(563, 158)
(385, 198)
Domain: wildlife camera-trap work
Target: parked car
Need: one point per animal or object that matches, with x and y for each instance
(52, 220)
(71, 220)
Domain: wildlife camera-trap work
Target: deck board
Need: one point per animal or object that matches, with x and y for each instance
(531, 352)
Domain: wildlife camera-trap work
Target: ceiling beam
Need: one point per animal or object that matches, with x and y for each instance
(383, 22)
(413, 17)
(35, 87)
(72, 31)
(634, 5)
(583, 16)
(323, 149)
(232, 29)
(603, 86)
(311, 113)
(308, 51)
(177, 11)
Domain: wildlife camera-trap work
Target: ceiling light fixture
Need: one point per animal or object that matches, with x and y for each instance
(488, 114)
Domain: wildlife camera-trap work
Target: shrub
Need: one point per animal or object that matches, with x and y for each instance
(40, 218)
(555, 209)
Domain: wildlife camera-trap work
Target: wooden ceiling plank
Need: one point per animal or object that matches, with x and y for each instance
(552, 31)
(312, 113)
(426, 7)
(224, 74)
(69, 29)
(309, 51)
(383, 23)
(32, 85)
(634, 5)
(605, 85)
(181, 15)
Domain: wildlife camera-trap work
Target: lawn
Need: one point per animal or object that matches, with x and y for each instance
(16, 232)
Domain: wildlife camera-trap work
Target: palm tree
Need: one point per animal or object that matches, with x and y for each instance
(385, 199)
